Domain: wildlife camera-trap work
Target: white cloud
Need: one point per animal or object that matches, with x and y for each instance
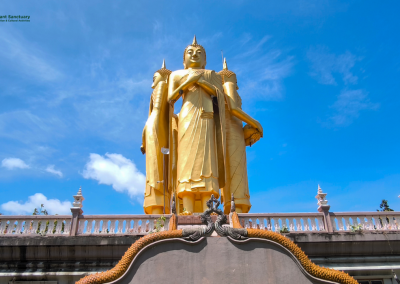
(53, 206)
(50, 169)
(349, 105)
(325, 65)
(13, 163)
(115, 170)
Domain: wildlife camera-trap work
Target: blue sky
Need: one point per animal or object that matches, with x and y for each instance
(321, 77)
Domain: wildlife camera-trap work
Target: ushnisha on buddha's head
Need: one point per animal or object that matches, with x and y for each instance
(194, 56)
(161, 75)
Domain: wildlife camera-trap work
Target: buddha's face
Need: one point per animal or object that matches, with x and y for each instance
(194, 57)
(157, 78)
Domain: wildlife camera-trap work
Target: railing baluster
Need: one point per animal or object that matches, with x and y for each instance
(120, 226)
(81, 226)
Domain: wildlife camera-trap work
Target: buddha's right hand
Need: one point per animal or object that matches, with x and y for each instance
(142, 149)
(192, 78)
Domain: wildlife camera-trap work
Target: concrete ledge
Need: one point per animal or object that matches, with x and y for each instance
(94, 240)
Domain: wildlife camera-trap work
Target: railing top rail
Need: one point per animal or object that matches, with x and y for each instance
(32, 217)
(263, 215)
(376, 213)
(124, 216)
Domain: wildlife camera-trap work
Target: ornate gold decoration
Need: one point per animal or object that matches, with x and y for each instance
(123, 264)
(308, 265)
(185, 213)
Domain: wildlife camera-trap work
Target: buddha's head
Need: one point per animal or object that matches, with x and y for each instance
(227, 75)
(194, 56)
(161, 75)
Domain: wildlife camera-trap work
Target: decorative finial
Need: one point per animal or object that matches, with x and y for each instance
(321, 198)
(163, 65)
(233, 206)
(224, 65)
(78, 199)
(194, 40)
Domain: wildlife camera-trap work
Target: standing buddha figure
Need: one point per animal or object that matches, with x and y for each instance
(201, 130)
(236, 164)
(155, 136)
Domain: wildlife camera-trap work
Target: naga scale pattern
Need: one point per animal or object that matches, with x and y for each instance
(308, 265)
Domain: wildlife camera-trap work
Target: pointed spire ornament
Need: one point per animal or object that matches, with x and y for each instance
(163, 65)
(321, 197)
(194, 40)
(224, 65)
(78, 199)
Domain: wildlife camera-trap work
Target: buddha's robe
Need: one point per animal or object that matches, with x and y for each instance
(201, 139)
(156, 132)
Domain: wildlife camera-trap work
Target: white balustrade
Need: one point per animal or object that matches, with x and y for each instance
(294, 222)
(143, 224)
(119, 224)
(35, 225)
(368, 221)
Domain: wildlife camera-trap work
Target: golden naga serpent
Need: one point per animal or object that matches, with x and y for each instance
(172, 232)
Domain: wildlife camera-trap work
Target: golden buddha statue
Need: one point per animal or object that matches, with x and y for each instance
(236, 141)
(155, 137)
(206, 142)
(201, 130)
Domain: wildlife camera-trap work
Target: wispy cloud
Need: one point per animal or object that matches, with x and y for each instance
(265, 67)
(117, 171)
(53, 206)
(348, 106)
(50, 169)
(332, 69)
(27, 127)
(325, 66)
(157, 26)
(14, 163)
(27, 59)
